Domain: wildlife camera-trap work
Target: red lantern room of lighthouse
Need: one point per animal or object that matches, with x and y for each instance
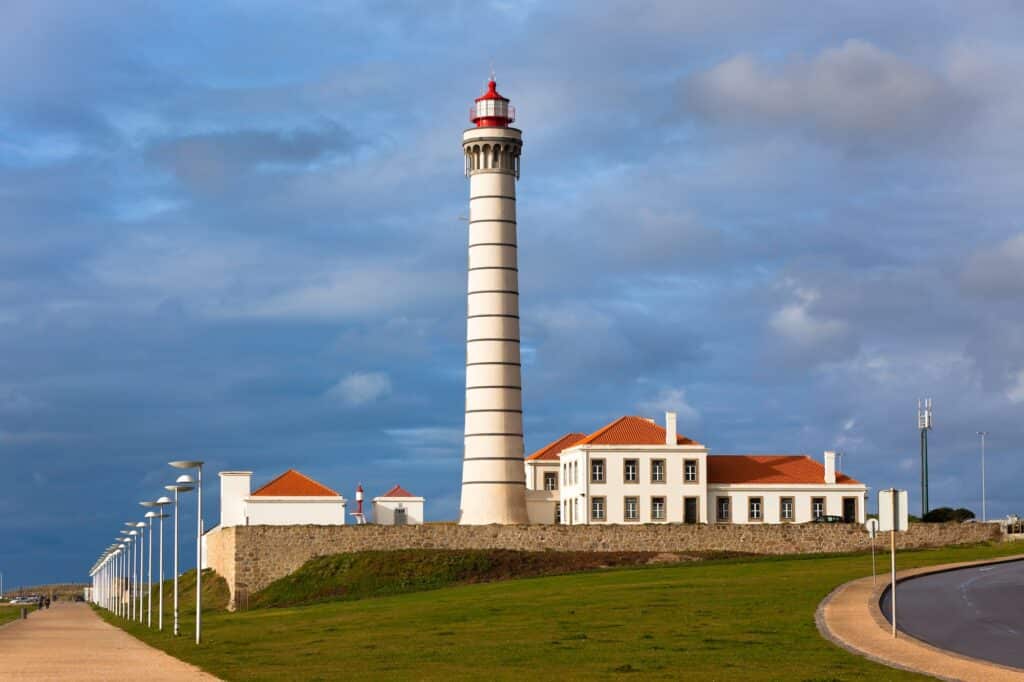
(491, 110)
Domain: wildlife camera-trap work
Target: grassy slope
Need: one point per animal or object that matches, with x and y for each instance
(736, 619)
(379, 573)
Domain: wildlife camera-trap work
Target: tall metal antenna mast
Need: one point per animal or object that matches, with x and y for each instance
(924, 423)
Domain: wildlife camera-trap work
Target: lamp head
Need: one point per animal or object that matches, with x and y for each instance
(147, 503)
(151, 515)
(186, 463)
(164, 500)
(185, 478)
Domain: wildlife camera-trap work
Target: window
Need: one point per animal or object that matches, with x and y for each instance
(558, 512)
(597, 508)
(631, 470)
(754, 509)
(817, 507)
(723, 509)
(657, 471)
(597, 471)
(657, 508)
(690, 471)
(632, 509)
(550, 480)
(786, 509)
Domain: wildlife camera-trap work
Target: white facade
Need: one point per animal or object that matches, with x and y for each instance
(239, 507)
(398, 511)
(492, 473)
(675, 483)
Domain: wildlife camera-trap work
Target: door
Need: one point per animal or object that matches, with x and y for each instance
(690, 510)
(849, 510)
(400, 519)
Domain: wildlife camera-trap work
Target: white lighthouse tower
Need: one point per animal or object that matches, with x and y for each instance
(493, 478)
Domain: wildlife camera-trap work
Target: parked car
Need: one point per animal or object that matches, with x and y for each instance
(828, 518)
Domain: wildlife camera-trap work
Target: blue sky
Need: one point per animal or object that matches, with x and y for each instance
(231, 231)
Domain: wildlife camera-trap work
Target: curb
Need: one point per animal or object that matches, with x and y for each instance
(865, 639)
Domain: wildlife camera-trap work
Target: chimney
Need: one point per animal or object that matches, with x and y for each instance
(670, 428)
(235, 486)
(830, 466)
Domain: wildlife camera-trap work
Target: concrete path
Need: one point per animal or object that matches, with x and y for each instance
(70, 642)
(851, 618)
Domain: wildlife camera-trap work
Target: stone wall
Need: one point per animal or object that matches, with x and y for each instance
(251, 557)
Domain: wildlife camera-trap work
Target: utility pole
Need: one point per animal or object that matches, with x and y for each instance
(983, 434)
(924, 424)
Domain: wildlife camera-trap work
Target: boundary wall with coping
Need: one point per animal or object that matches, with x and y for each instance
(252, 557)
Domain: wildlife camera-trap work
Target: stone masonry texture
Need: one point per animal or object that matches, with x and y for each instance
(252, 557)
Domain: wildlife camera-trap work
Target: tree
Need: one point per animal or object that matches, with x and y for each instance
(947, 514)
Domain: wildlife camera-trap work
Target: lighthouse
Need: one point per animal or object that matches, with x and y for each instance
(493, 476)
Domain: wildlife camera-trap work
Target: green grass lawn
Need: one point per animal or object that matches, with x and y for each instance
(9, 613)
(736, 619)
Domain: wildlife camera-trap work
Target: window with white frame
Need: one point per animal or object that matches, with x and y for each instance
(631, 470)
(550, 480)
(754, 507)
(597, 471)
(722, 507)
(631, 509)
(786, 508)
(597, 509)
(690, 471)
(657, 508)
(817, 507)
(657, 471)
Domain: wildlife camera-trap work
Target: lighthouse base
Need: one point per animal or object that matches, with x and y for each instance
(486, 503)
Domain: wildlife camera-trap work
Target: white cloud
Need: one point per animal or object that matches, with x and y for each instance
(1016, 391)
(856, 88)
(360, 388)
(798, 323)
(671, 400)
(997, 271)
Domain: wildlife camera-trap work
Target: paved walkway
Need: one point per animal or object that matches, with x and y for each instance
(70, 642)
(850, 617)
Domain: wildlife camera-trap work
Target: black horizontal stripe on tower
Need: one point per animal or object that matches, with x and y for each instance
(508, 340)
(493, 244)
(494, 482)
(507, 459)
(476, 435)
(495, 409)
(513, 388)
(493, 196)
(470, 317)
(495, 267)
(492, 220)
(513, 364)
(493, 291)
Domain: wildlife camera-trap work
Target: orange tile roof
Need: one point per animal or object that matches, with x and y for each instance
(632, 431)
(769, 469)
(398, 491)
(293, 484)
(551, 450)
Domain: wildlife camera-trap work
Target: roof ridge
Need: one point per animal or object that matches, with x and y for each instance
(296, 472)
(607, 427)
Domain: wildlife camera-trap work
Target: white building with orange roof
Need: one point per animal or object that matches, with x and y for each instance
(398, 507)
(290, 499)
(635, 471)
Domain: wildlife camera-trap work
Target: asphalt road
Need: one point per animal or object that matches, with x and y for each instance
(976, 611)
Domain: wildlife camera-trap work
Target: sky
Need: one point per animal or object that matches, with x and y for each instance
(231, 231)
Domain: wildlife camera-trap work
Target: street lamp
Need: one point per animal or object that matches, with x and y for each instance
(141, 525)
(150, 515)
(983, 434)
(162, 502)
(198, 466)
(178, 487)
(128, 563)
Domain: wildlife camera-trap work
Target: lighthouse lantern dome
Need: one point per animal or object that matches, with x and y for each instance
(491, 110)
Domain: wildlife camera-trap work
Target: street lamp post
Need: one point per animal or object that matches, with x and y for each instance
(198, 466)
(984, 517)
(141, 525)
(149, 576)
(179, 487)
(162, 502)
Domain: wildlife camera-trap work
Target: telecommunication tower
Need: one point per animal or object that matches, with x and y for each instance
(924, 424)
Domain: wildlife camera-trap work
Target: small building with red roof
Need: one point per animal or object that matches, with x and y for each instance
(289, 499)
(634, 470)
(398, 507)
